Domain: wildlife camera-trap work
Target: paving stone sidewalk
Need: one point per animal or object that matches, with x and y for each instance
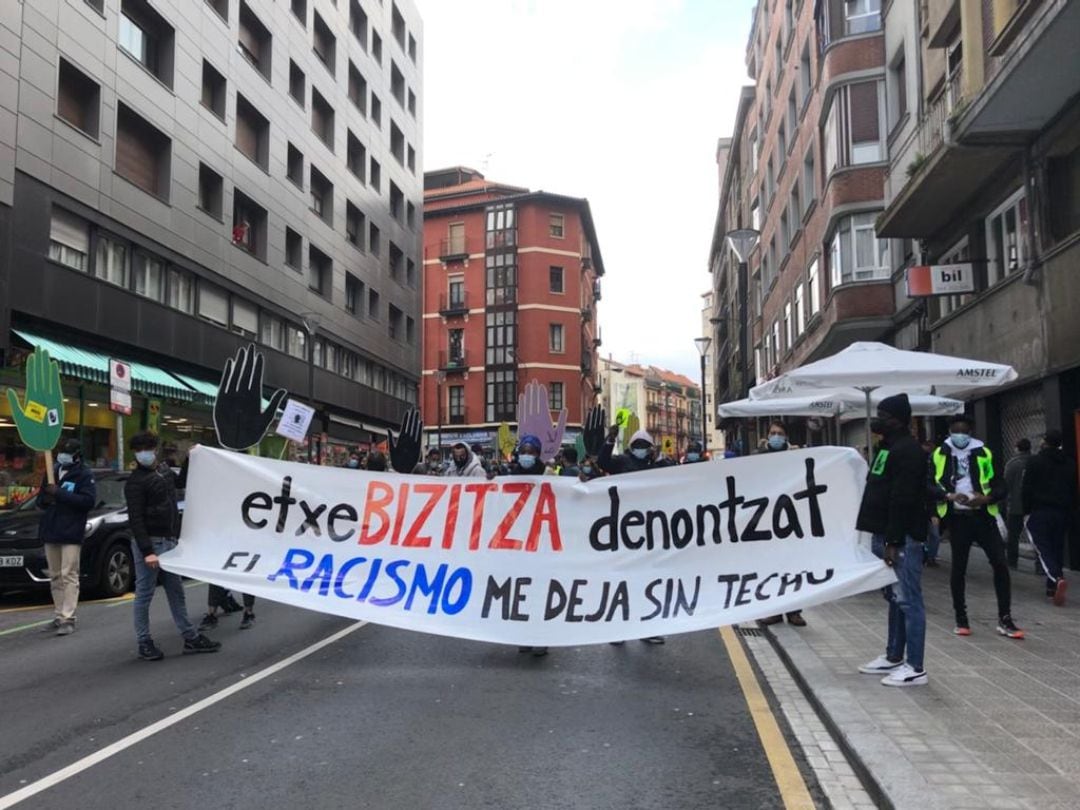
(999, 724)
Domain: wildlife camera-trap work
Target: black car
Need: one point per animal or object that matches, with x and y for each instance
(106, 562)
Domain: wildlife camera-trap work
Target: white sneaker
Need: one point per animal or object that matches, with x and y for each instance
(905, 675)
(879, 666)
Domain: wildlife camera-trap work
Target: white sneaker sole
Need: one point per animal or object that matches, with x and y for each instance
(877, 671)
(921, 680)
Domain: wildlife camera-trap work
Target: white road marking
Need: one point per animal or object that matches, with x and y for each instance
(46, 782)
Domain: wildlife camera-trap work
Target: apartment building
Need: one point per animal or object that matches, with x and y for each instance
(805, 170)
(182, 177)
(511, 286)
(984, 172)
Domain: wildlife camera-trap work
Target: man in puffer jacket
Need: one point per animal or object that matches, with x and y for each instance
(63, 526)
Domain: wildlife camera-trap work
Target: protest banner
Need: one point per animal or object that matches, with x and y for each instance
(537, 561)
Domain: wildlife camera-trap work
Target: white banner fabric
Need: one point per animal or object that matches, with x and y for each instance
(534, 560)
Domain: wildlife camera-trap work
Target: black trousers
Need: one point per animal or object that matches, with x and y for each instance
(217, 597)
(965, 530)
(1015, 525)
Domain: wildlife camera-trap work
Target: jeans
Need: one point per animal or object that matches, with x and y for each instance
(933, 540)
(966, 529)
(145, 583)
(1048, 527)
(907, 614)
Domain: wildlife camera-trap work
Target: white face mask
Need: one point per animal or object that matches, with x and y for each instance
(526, 461)
(146, 458)
(639, 453)
(64, 459)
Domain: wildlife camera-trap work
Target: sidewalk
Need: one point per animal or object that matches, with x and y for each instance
(998, 726)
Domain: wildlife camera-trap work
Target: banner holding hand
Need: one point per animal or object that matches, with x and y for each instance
(239, 419)
(40, 419)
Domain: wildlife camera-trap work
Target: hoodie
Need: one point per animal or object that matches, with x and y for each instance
(473, 468)
(1049, 481)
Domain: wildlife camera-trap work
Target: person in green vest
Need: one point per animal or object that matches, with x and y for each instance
(968, 492)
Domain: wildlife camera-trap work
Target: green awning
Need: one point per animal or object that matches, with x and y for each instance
(204, 391)
(94, 367)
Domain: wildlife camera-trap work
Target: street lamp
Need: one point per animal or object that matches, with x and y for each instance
(742, 242)
(311, 325)
(703, 344)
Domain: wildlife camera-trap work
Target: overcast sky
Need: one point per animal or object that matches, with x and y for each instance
(618, 101)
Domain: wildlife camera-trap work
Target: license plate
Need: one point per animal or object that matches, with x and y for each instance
(11, 561)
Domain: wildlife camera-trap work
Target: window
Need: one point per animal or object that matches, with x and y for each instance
(412, 48)
(853, 126)
(143, 154)
(295, 166)
(755, 150)
(354, 294)
(556, 225)
(809, 189)
(410, 331)
(149, 276)
(412, 104)
(500, 397)
(792, 116)
(770, 183)
(800, 308)
(397, 26)
(781, 141)
(397, 83)
(69, 239)
(358, 23)
(410, 215)
(795, 215)
(294, 249)
(397, 262)
(297, 84)
(323, 43)
(357, 88)
(322, 118)
(213, 90)
(245, 318)
(789, 326)
(354, 225)
(397, 143)
(1063, 195)
(856, 254)
(78, 99)
(249, 225)
(555, 280)
(410, 273)
(555, 396)
(299, 10)
(501, 281)
(322, 196)
(376, 47)
(254, 40)
(898, 103)
(220, 7)
(394, 323)
(785, 231)
(861, 16)
(456, 292)
(397, 202)
(376, 110)
(213, 304)
(1005, 230)
(180, 293)
(813, 290)
(755, 215)
(373, 304)
(252, 133)
(806, 79)
(555, 338)
(147, 38)
(375, 175)
(374, 239)
(456, 395)
(320, 271)
(355, 156)
(500, 338)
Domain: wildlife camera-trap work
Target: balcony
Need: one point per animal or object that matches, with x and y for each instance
(596, 289)
(454, 362)
(455, 248)
(586, 363)
(586, 315)
(454, 306)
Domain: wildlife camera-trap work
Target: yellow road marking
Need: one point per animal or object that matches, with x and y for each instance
(789, 780)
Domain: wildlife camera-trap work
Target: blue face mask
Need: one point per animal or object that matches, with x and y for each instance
(640, 453)
(64, 459)
(146, 457)
(354, 463)
(586, 470)
(693, 456)
(777, 442)
(960, 440)
(527, 461)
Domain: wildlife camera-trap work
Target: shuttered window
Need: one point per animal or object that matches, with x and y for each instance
(69, 239)
(245, 317)
(78, 99)
(252, 132)
(213, 304)
(141, 152)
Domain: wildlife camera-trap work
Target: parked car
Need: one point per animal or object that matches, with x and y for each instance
(107, 566)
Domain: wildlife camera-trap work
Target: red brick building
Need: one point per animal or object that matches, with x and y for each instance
(511, 283)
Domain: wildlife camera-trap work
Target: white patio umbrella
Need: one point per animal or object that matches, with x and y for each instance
(847, 404)
(866, 366)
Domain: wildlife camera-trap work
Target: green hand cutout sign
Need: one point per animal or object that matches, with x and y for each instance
(41, 419)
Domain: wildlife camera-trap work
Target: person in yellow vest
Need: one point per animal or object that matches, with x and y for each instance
(968, 492)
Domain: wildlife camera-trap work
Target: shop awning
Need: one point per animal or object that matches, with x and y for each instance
(204, 391)
(94, 367)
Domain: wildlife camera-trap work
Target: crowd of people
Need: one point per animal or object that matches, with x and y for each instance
(914, 493)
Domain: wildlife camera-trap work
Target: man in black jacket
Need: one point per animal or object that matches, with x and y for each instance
(893, 509)
(1047, 498)
(63, 526)
(155, 523)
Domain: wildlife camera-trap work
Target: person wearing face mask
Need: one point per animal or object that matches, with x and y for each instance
(777, 441)
(150, 492)
(695, 453)
(1047, 498)
(63, 525)
(464, 463)
(968, 491)
(589, 469)
(432, 465)
(893, 510)
(353, 462)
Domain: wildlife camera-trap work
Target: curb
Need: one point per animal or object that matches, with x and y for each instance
(886, 774)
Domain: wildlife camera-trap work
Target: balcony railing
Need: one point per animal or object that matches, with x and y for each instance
(455, 248)
(933, 129)
(453, 362)
(451, 305)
